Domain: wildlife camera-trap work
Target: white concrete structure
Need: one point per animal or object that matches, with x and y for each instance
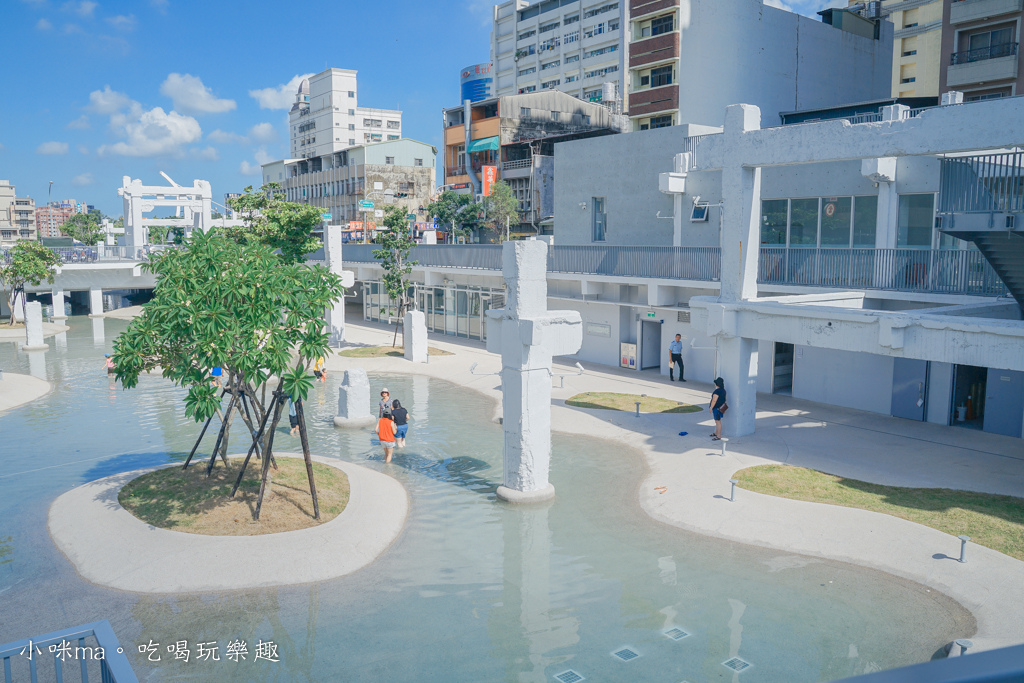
(34, 328)
(95, 302)
(354, 400)
(414, 334)
(527, 335)
(336, 313)
(57, 295)
(736, 318)
(194, 202)
(326, 117)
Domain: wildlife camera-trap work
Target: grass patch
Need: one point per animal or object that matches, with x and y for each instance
(189, 501)
(990, 520)
(627, 402)
(383, 351)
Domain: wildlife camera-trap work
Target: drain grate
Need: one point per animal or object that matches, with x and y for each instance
(626, 654)
(676, 633)
(569, 676)
(737, 664)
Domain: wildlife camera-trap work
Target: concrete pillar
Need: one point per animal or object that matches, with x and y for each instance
(95, 302)
(333, 256)
(737, 357)
(415, 337)
(58, 304)
(354, 400)
(19, 308)
(882, 172)
(741, 195)
(98, 336)
(34, 328)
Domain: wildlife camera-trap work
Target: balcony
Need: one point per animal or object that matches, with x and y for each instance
(641, 8)
(656, 49)
(985, 65)
(653, 100)
(963, 11)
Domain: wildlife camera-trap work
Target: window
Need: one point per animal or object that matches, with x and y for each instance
(571, 19)
(351, 93)
(529, 88)
(600, 51)
(803, 226)
(393, 137)
(990, 44)
(661, 121)
(835, 221)
(371, 123)
(599, 218)
(549, 27)
(550, 65)
(417, 162)
(524, 112)
(351, 126)
(602, 72)
(394, 124)
(662, 25)
(351, 112)
(351, 141)
(910, 53)
(916, 220)
(556, 115)
(774, 218)
(527, 34)
(914, 25)
(661, 76)
(990, 95)
(569, 59)
(912, 79)
(601, 10)
(865, 217)
(390, 161)
(571, 78)
(550, 84)
(573, 37)
(528, 71)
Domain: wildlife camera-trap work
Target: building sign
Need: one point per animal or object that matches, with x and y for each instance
(365, 205)
(830, 209)
(490, 174)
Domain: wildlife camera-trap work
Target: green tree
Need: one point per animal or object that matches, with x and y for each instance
(395, 242)
(27, 263)
(83, 227)
(242, 308)
(455, 212)
(502, 208)
(268, 219)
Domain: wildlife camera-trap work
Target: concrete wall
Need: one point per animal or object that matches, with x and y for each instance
(843, 378)
(801, 63)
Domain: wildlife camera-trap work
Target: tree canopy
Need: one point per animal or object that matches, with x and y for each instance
(27, 263)
(84, 227)
(395, 242)
(270, 220)
(502, 208)
(455, 212)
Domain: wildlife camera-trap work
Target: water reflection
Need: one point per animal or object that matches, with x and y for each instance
(37, 364)
(97, 331)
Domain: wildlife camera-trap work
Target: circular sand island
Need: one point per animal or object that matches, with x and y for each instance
(362, 513)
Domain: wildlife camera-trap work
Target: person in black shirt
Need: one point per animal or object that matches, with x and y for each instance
(401, 417)
(717, 407)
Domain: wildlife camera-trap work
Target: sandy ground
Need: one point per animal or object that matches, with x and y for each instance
(16, 390)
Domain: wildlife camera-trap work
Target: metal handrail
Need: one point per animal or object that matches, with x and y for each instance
(68, 644)
(990, 52)
(983, 183)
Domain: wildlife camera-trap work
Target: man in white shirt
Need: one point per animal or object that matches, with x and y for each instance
(675, 355)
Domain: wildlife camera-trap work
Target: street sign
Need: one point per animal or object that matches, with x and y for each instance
(410, 216)
(326, 216)
(378, 213)
(490, 174)
(365, 205)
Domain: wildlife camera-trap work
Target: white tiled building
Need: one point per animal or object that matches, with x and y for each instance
(326, 117)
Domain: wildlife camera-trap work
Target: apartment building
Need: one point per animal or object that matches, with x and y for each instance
(397, 172)
(516, 134)
(17, 216)
(326, 117)
(980, 48)
(689, 59)
(49, 218)
(573, 46)
(917, 43)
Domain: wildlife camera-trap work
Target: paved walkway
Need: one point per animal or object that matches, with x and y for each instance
(111, 547)
(16, 390)
(17, 334)
(840, 441)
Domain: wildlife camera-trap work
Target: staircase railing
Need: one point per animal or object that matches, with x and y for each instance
(90, 646)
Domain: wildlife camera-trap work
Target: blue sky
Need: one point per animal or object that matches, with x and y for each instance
(96, 90)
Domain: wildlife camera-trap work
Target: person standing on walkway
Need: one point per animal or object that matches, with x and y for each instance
(675, 355)
(718, 407)
(385, 403)
(401, 418)
(386, 433)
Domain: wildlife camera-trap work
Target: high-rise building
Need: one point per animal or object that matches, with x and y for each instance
(917, 43)
(980, 48)
(326, 117)
(49, 218)
(477, 83)
(575, 46)
(17, 216)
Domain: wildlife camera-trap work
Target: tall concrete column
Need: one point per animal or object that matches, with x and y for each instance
(882, 172)
(740, 241)
(95, 302)
(19, 307)
(336, 312)
(34, 328)
(58, 304)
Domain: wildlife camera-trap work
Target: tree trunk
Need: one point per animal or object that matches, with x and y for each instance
(223, 432)
(254, 445)
(269, 453)
(24, 306)
(305, 456)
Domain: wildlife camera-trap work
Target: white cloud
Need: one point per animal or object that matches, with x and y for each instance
(83, 8)
(82, 149)
(206, 154)
(192, 97)
(278, 97)
(245, 168)
(224, 137)
(262, 132)
(82, 180)
(107, 101)
(262, 157)
(152, 133)
(52, 148)
(123, 22)
(778, 4)
(72, 28)
(44, 24)
(81, 123)
(159, 5)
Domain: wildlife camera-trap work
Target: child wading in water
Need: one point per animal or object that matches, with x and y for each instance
(386, 428)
